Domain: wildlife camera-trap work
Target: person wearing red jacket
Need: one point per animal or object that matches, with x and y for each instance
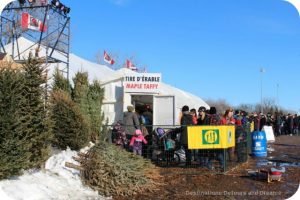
(228, 119)
(194, 115)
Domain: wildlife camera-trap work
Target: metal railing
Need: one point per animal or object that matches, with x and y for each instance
(164, 148)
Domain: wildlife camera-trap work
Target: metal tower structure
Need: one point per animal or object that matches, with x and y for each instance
(45, 24)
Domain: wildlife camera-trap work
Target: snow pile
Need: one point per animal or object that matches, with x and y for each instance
(55, 182)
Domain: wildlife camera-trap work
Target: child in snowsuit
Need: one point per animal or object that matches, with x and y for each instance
(137, 141)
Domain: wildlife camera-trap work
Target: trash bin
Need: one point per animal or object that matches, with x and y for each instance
(259, 144)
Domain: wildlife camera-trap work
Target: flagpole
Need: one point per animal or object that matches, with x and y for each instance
(277, 94)
(262, 70)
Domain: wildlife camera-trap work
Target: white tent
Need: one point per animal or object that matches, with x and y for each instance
(115, 100)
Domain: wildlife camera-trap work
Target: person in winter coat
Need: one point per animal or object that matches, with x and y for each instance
(278, 124)
(137, 141)
(263, 121)
(119, 135)
(228, 119)
(194, 115)
(185, 121)
(214, 120)
(238, 117)
(290, 124)
(256, 121)
(130, 121)
(203, 118)
(296, 124)
(204, 154)
(193, 112)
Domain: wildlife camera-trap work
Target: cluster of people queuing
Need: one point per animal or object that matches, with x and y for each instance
(282, 124)
(135, 132)
(207, 117)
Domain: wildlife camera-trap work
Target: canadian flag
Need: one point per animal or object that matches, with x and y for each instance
(29, 22)
(130, 65)
(108, 59)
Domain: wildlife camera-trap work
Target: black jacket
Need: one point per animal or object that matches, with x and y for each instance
(186, 120)
(205, 121)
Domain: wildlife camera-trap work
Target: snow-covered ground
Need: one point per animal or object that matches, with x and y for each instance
(55, 182)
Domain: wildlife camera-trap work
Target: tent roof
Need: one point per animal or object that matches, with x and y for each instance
(182, 97)
(76, 63)
(104, 73)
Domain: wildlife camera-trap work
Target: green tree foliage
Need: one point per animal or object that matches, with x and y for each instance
(115, 172)
(86, 99)
(80, 93)
(14, 146)
(25, 129)
(80, 96)
(89, 97)
(35, 120)
(96, 117)
(61, 83)
(70, 127)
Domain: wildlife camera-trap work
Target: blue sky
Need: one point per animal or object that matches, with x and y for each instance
(212, 48)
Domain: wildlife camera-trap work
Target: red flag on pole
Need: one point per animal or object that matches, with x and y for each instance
(29, 22)
(130, 65)
(108, 59)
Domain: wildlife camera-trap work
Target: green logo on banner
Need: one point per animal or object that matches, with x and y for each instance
(211, 136)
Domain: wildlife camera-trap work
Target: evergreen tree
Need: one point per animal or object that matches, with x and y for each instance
(85, 105)
(35, 122)
(89, 97)
(80, 96)
(61, 83)
(96, 117)
(80, 92)
(70, 127)
(14, 144)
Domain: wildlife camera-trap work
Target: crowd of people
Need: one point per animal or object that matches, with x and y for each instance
(137, 136)
(133, 132)
(282, 124)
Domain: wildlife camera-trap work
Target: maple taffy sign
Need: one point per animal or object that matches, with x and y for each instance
(142, 83)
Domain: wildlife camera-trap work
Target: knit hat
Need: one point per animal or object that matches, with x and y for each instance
(130, 108)
(185, 108)
(213, 110)
(138, 132)
(202, 108)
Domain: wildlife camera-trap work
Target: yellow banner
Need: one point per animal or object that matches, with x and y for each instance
(211, 137)
(252, 127)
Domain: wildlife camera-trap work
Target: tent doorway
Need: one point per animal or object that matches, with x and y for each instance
(141, 102)
(144, 107)
(161, 108)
